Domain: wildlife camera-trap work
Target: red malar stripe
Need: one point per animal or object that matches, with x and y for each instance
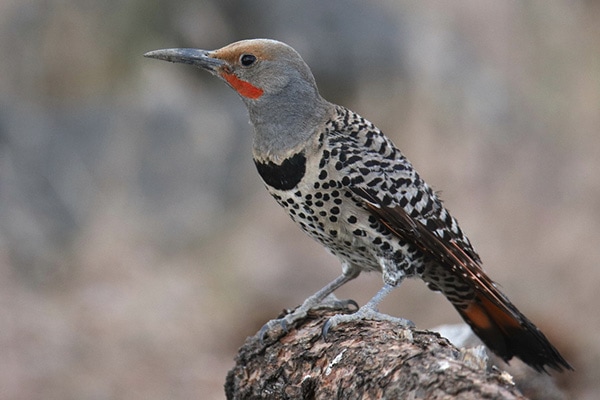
(244, 88)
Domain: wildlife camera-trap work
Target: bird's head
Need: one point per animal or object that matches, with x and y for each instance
(274, 82)
(254, 68)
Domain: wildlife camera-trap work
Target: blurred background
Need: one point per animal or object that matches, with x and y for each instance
(138, 247)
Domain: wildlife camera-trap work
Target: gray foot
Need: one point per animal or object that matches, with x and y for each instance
(320, 299)
(367, 312)
(363, 313)
(300, 313)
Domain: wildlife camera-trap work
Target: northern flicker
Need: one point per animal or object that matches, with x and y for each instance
(348, 187)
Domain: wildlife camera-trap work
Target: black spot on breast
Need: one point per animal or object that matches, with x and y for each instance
(284, 176)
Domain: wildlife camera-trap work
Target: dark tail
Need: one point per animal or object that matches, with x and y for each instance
(509, 333)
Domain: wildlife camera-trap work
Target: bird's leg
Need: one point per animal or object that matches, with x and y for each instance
(324, 298)
(369, 311)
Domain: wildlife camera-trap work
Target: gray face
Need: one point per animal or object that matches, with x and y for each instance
(281, 69)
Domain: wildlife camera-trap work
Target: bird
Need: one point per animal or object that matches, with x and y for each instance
(346, 185)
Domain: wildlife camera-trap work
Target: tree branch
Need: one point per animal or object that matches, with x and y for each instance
(369, 359)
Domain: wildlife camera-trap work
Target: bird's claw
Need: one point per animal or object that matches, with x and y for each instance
(363, 314)
(335, 304)
(330, 302)
(262, 333)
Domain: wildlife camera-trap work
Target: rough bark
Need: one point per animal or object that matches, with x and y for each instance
(364, 360)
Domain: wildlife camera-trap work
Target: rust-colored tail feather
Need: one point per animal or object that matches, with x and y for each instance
(509, 333)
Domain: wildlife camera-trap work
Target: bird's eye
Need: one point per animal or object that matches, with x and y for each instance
(247, 59)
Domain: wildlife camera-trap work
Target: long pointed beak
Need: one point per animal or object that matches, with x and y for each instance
(197, 57)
